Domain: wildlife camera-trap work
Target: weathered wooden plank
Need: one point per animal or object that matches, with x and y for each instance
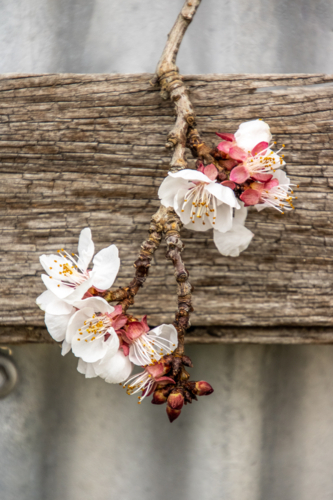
(197, 335)
(79, 150)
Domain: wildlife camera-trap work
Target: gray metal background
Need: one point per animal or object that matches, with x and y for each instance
(267, 431)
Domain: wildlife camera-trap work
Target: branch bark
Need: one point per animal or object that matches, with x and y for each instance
(171, 83)
(175, 246)
(126, 295)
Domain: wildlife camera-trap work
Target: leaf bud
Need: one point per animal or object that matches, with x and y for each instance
(203, 388)
(158, 397)
(187, 361)
(172, 414)
(176, 399)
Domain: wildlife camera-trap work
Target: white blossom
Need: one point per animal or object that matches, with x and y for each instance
(148, 347)
(200, 201)
(68, 277)
(90, 332)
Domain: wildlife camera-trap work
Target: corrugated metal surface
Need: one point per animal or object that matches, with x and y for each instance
(267, 432)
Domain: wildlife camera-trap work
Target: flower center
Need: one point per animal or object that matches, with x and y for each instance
(203, 203)
(140, 382)
(279, 197)
(264, 164)
(72, 274)
(94, 328)
(149, 349)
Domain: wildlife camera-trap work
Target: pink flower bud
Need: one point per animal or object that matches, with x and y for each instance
(158, 398)
(176, 400)
(203, 388)
(172, 414)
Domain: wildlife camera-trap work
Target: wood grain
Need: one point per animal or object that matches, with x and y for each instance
(78, 150)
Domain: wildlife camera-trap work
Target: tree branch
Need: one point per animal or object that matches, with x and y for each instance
(171, 83)
(126, 295)
(175, 246)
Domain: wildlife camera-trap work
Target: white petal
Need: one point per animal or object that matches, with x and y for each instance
(56, 286)
(250, 133)
(78, 292)
(86, 369)
(136, 356)
(65, 348)
(96, 304)
(261, 206)
(115, 369)
(57, 325)
(169, 188)
(51, 264)
(106, 267)
(164, 340)
(76, 322)
(86, 248)
(44, 299)
(240, 215)
(50, 303)
(93, 350)
(169, 333)
(223, 221)
(233, 242)
(224, 194)
(191, 175)
(178, 205)
(198, 225)
(282, 177)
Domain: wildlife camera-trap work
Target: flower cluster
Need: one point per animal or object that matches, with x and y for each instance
(156, 380)
(107, 342)
(245, 173)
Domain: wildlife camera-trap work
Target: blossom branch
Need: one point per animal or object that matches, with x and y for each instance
(171, 83)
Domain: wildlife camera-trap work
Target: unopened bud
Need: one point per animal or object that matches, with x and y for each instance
(176, 400)
(172, 414)
(158, 398)
(203, 388)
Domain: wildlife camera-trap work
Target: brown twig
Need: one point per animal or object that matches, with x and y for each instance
(167, 75)
(175, 246)
(126, 295)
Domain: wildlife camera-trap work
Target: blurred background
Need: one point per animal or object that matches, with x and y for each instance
(267, 431)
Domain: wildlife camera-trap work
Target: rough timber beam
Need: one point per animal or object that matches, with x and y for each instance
(78, 150)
